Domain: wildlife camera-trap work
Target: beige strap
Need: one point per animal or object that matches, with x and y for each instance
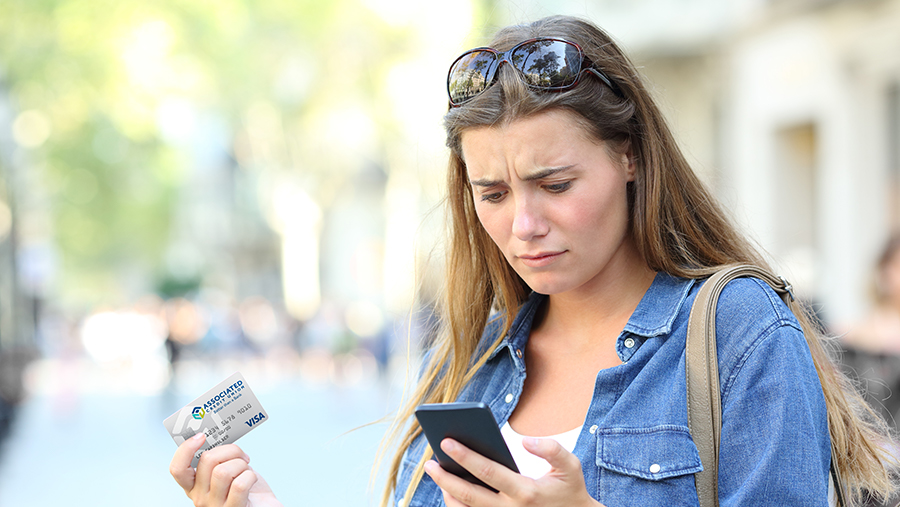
(702, 370)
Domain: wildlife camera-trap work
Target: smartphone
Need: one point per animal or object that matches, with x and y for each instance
(471, 424)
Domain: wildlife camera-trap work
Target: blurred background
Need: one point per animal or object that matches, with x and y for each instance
(190, 188)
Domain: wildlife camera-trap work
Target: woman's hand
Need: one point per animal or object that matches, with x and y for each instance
(223, 477)
(562, 486)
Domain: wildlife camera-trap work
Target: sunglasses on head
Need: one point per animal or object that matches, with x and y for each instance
(545, 64)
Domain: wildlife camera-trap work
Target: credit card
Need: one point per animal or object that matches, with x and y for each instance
(225, 413)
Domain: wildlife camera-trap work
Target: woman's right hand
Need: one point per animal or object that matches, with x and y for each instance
(223, 477)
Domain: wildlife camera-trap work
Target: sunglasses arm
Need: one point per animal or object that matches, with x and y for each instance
(602, 77)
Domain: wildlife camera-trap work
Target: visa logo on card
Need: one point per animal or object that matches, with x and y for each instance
(225, 413)
(255, 419)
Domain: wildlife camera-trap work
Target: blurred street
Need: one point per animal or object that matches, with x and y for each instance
(105, 449)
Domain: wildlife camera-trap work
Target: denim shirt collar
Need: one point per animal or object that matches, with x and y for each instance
(654, 316)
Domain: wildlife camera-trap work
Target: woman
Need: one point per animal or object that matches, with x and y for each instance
(879, 332)
(578, 223)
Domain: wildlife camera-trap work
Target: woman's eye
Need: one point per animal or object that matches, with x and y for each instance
(494, 197)
(558, 188)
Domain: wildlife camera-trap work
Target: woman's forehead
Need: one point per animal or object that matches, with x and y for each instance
(544, 135)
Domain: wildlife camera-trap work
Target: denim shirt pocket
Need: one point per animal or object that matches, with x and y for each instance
(646, 465)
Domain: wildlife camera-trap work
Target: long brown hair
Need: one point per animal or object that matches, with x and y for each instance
(677, 225)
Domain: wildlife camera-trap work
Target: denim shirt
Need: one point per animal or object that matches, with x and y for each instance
(635, 447)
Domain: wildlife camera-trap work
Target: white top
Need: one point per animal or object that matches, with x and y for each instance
(529, 464)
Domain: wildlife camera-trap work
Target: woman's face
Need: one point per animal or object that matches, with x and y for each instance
(554, 201)
(890, 282)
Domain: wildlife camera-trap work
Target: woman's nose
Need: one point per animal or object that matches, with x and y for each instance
(529, 221)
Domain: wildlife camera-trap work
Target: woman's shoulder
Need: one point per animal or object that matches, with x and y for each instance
(754, 326)
(751, 299)
(669, 302)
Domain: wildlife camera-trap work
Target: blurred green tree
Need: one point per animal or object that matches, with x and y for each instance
(105, 92)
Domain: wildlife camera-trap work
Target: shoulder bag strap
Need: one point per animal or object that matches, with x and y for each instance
(702, 370)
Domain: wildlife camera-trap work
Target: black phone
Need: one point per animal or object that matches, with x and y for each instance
(471, 424)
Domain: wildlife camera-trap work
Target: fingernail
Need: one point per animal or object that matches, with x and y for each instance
(430, 466)
(198, 436)
(448, 445)
(531, 441)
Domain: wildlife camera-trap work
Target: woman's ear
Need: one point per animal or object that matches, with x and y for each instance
(628, 162)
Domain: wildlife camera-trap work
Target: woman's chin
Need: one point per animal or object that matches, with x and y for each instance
(549, 287)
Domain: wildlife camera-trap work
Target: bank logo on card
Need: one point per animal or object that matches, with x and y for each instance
(198, 413)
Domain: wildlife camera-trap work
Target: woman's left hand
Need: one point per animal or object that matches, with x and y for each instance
(562, 486)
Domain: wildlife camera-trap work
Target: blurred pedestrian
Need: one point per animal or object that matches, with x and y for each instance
(576, 219)
(872, 347)
(879, 331)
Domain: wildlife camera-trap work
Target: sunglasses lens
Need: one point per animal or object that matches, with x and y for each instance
(470, 75)
(548, 63)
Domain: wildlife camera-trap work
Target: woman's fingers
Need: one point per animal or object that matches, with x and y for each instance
(457, 492)
(488, 471)
(563, 486)
(560, 459)
(239, 492)
(212, 459)
(223, 477)
(180, 466)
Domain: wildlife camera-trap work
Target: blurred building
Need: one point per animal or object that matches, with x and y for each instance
(790, 110)
(219, 237)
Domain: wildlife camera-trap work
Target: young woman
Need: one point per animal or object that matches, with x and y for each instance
(579, 239)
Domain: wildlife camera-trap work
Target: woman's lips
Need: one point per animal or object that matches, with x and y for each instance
(540, 259)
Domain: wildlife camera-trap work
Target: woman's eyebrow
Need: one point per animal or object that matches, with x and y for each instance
(543, 173)
(485, 182)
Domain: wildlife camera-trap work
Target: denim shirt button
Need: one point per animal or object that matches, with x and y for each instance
(654, 468)
(629, 342)
(509, 398)
(593, 429)
(519, 353)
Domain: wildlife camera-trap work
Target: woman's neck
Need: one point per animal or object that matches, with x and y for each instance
(601, 311)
